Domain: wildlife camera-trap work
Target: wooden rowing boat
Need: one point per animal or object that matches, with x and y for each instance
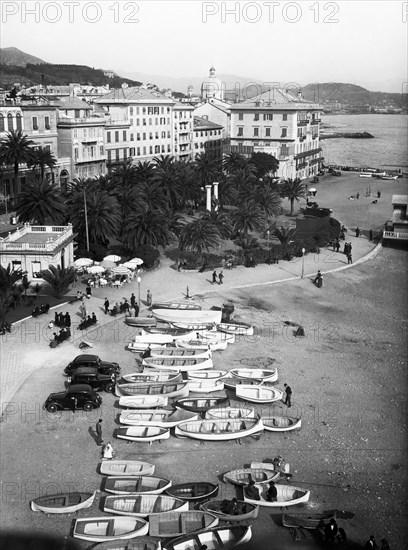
(307, 520)
(172, 331)
(141, 321)
(182, 364)
(203, 316)
(242, 476)
(211, 336)
(175, 305)
(143, 505)
(258, 394)
(175, 524)
(206, 374)
(281, 423)
(143, 433)
(270, 375)
(222, 510)
(205, 386)
(126, 468)
(231, 382)
(234, 328)
(99, 529)
(143, 401)
(153, 376)
(287, 496)
(194, 326)
(226, 413)
(182, 353)
(168, 389)
(63, 503)
(219, 430)
(156, 417)
(219, 538)
(198, 343)
(122, 485)
(201, 404)
(159, 338)
(196, 491)
(140, 543)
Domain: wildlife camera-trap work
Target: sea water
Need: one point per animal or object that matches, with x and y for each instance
(387, 150)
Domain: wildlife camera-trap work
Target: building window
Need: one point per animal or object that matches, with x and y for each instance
(132, 137)
(284, 132)
(240, 130)
(267, 132)
(163, 149)
(2, 129)
(157, 135)
(150, 135)
(144, 150)
(35, 123)
(100, 150)
(168, 134)
(19, 123)
(157, 149)
(36, 268)
(77, 113)
(116, 136)
(241, 116)
(151, 150)
(268, 116)
(108, 137)
(137, 111)
(138, 151)
(144, 135)
(144, 122)
(117, 154)
(75, 154)
(47, 123)
(168, 149)
(124, 135)
(132, 151)
(163, 135)
(109, 155)
(256, 116)
(284, 117)
(131, 111)
(256, 132)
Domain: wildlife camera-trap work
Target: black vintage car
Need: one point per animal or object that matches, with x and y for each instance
(95, 379)
(77, 396)
(86, 360)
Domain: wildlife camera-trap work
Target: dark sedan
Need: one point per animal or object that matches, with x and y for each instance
(77, 396)
(86, 360)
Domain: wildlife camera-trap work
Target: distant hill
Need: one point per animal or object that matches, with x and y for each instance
(14, 56)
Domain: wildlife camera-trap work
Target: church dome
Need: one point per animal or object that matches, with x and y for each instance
(212, 87)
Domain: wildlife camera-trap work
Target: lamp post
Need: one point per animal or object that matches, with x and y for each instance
(303, 262)
(86, 221)
(139, 280)
(269, 250)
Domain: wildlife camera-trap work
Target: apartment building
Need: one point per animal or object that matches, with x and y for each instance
(207, 138)
(183, 116)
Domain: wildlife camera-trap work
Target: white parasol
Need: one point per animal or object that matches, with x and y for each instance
(312, 189)
(83, 262)
(129, 265)
(108, 264)
(120, 270)
(94, 269)
(112, 258)
(136, 261)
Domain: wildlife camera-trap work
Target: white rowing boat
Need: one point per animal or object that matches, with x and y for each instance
(143, 433)
(269, 375)
(238, 329)
(181, 364)
(100, 529)
(126, 468)
(219, 430)
(287, 496)
(258, 394)
(181, 353)
(205, 386)
(143, 505)
(206, 374)
(197, 343)
(153, 376)
(156, 417)
(203, 316)
(143, 401)
(226, 413)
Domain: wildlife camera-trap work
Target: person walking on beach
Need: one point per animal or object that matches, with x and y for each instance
(370, 544)
(330, 530)
(371, 235)
(214, 278)
(149, 298)
(132, 300)
(106, 305)
(357, 231)
(98, 429)
(288, 395)
(349, 258)
(346, 249)
(220, 278)
(337, 245)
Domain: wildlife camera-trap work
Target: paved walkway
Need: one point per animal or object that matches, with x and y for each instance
(27, 347)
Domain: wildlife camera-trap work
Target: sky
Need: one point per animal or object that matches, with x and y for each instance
(361, 42)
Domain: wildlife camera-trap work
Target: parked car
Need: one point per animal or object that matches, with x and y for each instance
(95, 379)
(104, 367)
(77, 396)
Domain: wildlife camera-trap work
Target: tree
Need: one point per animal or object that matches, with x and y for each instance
(268, 200)
(199, 236)
(59, 278)
(221, 221)
(264, 164)
(294, 190)
(42, 159)
(286, 236)
(248, 217)
(16, 149)
(9, 278)
(244, 180)
(40, 202)
(207, 168)
(168, 178)
(25, 285)
(233, 162)
(149, 228)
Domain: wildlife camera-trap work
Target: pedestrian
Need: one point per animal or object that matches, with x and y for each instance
(67, 320)
(56, 318)
(106, 305)
(132, 300)
(318, 279)
(82, 310)
(98, 430)
(107, 452)
(214, 277)
(378, 194)
(384, 544)
(220, 278)
(349, 258)
(94, 319)
(346, 249)
(357, 231)
(88, 291)
(126, 306)
(272, 492)
(358, 196)
(370, 544)
(330, 530)
(371, 235)
(149, 298)
(337, 245)
(288, 395)
(136, 308)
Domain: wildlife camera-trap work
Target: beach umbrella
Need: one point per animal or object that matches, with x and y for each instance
(312, 189)
(96, 269)
(136, 261)
(108, 264)
(120, 270)
(112, 258)
(83, 262)
(129, 265)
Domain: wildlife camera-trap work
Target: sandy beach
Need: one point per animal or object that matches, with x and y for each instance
(348, 375)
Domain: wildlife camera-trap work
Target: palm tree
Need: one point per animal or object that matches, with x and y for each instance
(199, 236)
(144, 171)
(9, 277)
(233, 162)
(41, 202)
(59, 278)
(16, 149)
(269, 200)
(286, 236)
(221, 221)
(124, 176)
(244, 180)
(42, 159)
(207, 168)
(249, 217)
(293, 190)
(168, 178)
(264, 163)
(149, 228)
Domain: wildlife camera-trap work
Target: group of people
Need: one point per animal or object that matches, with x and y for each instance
(89, 321)
(217, 278)
(61, 320)
(131, 309)
(44, 308)
(64, 334)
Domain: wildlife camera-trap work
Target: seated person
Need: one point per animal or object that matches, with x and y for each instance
(272, 493)
(147, 353)
(94, 319)
(318, 277)
(252, 491)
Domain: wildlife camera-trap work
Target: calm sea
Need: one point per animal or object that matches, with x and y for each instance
(389, 146)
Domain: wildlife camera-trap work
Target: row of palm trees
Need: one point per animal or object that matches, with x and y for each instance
(140, 204)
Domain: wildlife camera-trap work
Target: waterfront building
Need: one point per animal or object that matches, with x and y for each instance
(397, 229)
(277, 123)
(183, 131)
(34, 248)
(207, 138)
(218, 111)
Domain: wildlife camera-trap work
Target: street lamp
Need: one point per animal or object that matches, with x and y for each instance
(303, 262)
(139, 280)
(269, 251)
(86, 221)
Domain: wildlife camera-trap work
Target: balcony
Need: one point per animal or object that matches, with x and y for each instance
(315, 121)
(395, 235)
(302, 138)
(303, 122)
(40, 239)
(301, 165)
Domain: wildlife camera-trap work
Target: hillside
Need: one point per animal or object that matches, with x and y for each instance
(14, 56)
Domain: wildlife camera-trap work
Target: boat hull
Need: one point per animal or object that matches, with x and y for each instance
(196, 491)
(63, 503)
(142, 433)
(287, 496)
(205, 386)
(126, 468)
(206, 374)
(143, 401)
(232, 328)
(219, 508)
(99, 529)
(153, 376)
(258, 394)
(188, 316)
(141, 321)
(183, 364)
(219, 430)
(181, 353)
(166, 390)
(201, 404)
(242, 476)
(307, 521)
(226, 413)
(276, 423)
(140, 543)
(123, 485)
(214, 345)
(269, 375)
(220, 538)
(156, 417)
(143, 505)
(174, 305)
(174, 524)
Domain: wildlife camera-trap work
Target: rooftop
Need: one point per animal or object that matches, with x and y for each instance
(275, 98)
(201, 123)
(134, 94)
